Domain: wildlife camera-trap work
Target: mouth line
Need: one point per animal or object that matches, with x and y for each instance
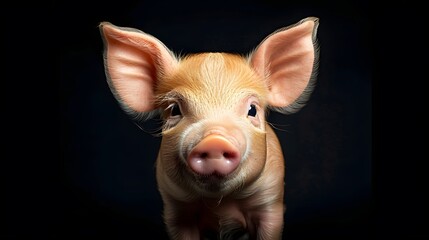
(212, 183)
(213, 178)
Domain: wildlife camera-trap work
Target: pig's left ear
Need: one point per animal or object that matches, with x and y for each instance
(287, 60)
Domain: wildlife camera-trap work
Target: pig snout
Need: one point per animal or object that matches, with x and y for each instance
(214, 155)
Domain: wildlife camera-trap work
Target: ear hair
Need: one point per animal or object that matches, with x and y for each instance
(300, 102)
(287, 60)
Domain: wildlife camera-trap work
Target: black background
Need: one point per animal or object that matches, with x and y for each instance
(351, 153)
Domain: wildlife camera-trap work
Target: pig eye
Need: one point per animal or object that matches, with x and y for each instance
(252, 111)
(175, 110)
(171, 115)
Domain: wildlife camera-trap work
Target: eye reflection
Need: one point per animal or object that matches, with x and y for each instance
(175, 110)
(252, 111)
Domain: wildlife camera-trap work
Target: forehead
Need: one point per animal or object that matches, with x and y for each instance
(218, 78)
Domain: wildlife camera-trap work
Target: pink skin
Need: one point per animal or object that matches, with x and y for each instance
(214, 155)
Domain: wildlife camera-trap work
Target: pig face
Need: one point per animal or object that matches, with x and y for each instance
(213, 104)
(214, 124)
(216, 143)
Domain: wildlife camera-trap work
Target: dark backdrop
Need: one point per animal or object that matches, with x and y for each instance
(344, 179)
(108, 161)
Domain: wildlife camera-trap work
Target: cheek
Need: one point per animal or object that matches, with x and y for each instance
(253, 165)
(175, 145)
(170, 151)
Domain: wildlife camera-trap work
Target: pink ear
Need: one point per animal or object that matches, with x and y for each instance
(287, 60)
(134, 61)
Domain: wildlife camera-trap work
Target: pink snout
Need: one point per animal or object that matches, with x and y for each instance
(214, 155)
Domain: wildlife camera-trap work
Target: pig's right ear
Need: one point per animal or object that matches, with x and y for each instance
(134, 61)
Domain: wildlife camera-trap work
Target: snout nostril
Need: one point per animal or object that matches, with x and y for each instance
(214, 155)
(228, 155)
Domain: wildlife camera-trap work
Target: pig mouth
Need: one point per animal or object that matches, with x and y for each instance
(214, 182)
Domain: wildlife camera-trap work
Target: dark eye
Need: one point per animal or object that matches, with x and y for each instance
(252, 111)
(175, 110)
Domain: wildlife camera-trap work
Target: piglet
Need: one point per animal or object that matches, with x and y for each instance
(220, 167)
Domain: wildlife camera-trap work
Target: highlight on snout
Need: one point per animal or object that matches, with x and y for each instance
(214, 152)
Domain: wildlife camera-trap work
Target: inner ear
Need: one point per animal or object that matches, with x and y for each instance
(134, 63)
(287, 60)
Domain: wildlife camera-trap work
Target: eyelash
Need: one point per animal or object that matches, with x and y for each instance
(174, 109)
